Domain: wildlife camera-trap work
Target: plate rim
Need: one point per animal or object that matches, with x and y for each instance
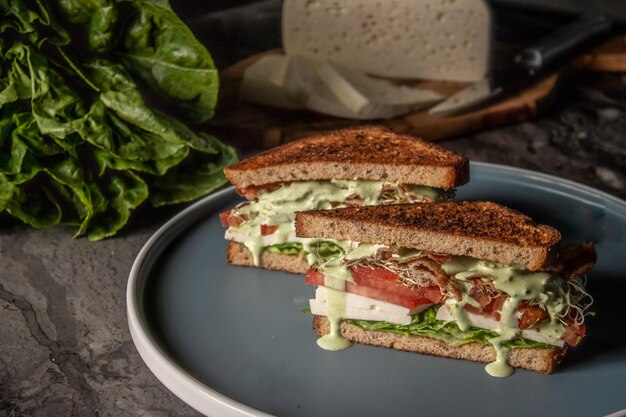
(178, 381)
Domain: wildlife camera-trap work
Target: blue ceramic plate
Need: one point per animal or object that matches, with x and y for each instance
(233, 340)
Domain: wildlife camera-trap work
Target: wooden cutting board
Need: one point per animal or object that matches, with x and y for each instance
(251, 126)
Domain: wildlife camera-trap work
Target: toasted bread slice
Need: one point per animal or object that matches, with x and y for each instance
(365, 153)
(534, 359)
(238, 254)
(479, 229)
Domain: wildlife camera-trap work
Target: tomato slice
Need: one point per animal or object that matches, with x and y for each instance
(314, 277)
(228, 220)
(384, 285)
(267, 229)
(377, 277)
(224, 218)
(531, 315)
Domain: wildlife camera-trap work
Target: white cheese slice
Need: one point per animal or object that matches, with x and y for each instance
(264, 83)
(350, 94)
(358, 307)
(362, 302)
(268, 240)
(341, 88)
(489, 323)
(304, 86)
(364, 94)
(354, 313)
(430, 39)
(384, 92)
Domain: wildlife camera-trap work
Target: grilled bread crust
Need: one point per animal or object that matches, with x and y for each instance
(364, 153)
(238, 254)
(479, 229)
(534, 359)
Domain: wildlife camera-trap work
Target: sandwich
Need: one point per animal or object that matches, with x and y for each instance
(351, 167)
(458, 279)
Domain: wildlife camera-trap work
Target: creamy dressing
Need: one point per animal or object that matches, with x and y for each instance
(335, 277)
(431, 193)
(309, 246)
(519, 285)
(278, 208)
(500, 367)
(458, 311)
(335, 311)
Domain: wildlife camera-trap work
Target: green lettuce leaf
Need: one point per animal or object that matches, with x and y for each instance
(290, 248)
(426, 324)
(325, 249)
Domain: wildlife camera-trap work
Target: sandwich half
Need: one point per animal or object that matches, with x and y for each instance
(465, 280)
(351, 167)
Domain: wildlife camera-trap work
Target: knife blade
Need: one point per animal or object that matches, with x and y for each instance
(529, 65)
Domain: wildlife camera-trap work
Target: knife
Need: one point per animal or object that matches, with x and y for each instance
(529, 65)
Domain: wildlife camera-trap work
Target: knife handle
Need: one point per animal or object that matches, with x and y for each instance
(562, 42)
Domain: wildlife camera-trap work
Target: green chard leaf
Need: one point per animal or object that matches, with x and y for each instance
(34, 203)
(106, 160)
(196, 176)
(29, 17)
(87, 197)
(101, 28)
(81, 11)
(161, 50)
(78, 142)
(7, 191)
(124, 191)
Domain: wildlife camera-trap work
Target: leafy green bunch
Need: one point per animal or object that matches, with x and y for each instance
(78, 142)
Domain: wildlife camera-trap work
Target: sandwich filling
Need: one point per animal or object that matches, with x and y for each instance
(455, 299)
(266, 223)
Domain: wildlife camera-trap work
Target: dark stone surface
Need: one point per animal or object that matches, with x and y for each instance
(583, 138)
(65, 348)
